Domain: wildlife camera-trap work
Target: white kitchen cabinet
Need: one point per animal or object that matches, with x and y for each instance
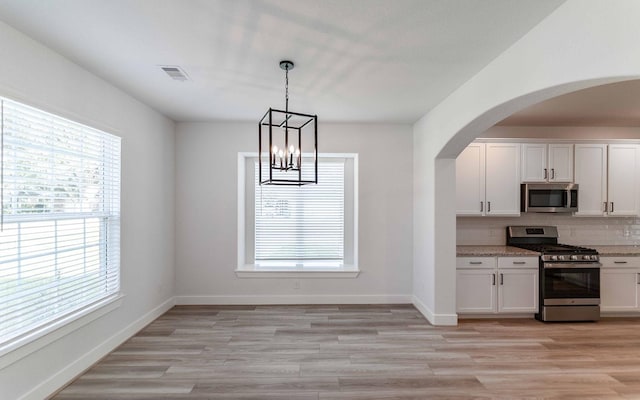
(488, 180)
(607, 176)
(470, 180)
(489, 285)
(518, 290)
(547, 162)
(620, 284)
(475, 289)
(623, 179)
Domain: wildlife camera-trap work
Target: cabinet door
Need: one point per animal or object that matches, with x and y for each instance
(534, 162)
(619, 289)
(470, 180)
(623, 179)
(591, 176)
(518, 290)
(502, 179)
(560, 163)
(476, 291)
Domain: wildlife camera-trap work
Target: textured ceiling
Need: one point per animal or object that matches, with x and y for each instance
(356, 60)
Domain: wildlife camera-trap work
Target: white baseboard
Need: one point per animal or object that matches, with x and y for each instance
(435, 319)
(66, 375)
(293, 299)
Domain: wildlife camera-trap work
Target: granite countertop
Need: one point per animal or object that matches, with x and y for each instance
(492, 251)
(611, 251)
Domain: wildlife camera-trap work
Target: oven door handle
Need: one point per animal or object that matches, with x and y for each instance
(571, 265)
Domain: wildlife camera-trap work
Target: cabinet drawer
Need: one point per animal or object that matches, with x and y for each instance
(620, 262)
(517, 262)
(475, 262)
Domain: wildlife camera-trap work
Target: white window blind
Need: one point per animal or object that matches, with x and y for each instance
(60, 236)
(301, 223)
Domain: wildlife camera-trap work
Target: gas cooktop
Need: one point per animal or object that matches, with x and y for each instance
(544, 240)
(557, 248)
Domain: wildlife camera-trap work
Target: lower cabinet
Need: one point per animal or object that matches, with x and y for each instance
(620, 284)
(488, 285)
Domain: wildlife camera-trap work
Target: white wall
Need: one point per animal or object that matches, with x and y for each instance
(31, 73)
(206, 216)
(583, 43)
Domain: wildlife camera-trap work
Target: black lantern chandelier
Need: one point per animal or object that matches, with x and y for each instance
(288, 141)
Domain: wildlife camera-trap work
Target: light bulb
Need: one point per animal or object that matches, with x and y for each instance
(280, 153)
(274, 149)
(291, 149)
(297, 152)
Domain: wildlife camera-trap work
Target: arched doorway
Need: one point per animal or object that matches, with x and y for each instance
(570, 50)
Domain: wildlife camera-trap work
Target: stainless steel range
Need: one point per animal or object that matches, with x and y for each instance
(569, 275)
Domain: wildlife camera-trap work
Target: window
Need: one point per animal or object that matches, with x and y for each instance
(301, 223)
(311, 228)
(60, 218)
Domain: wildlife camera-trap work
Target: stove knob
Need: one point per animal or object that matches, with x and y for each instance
(561, 258)
(594, 258)
(554, 258)
(573, 258)
(586, 258)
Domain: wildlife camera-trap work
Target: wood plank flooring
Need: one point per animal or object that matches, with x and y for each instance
(363, 352)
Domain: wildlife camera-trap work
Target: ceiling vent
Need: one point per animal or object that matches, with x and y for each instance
(176, 73)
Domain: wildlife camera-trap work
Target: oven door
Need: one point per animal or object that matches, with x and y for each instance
(570, 284)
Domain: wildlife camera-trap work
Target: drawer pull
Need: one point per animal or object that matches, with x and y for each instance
(475, 262)
(619, 262)
(519, 262)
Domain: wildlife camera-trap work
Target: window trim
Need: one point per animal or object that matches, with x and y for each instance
(21, 347)
(251, 270)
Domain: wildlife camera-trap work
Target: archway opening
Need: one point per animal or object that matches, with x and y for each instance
(514, 120)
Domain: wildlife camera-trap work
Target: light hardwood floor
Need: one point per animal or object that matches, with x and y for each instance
(363, 352)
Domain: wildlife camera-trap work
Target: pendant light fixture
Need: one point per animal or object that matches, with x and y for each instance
(287, 144)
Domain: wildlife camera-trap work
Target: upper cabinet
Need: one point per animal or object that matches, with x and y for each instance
(607, 176)
(488, 180)
(547, 162)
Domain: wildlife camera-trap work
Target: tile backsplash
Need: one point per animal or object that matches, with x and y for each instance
(581, 231)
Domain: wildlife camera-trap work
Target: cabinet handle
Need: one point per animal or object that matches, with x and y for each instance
(605, 206)
(638, 278)
(619, 262)
(494, 279)
(519, 262)
(612, 206)
(489, 206)
(481, 206)
(553, 173)
(502, 279)
(475, 262)
(545, 173)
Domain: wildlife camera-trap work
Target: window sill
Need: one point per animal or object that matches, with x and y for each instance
(21, 347)
(261, 271)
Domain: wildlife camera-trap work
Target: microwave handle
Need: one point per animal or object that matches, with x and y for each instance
(567, 198)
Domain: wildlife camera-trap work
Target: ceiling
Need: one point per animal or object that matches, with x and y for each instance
(615, 104)
(356, 60)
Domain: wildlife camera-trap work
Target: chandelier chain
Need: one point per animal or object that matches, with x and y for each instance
(286, 88)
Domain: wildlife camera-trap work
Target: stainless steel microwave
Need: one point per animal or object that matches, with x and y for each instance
(549, 197)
